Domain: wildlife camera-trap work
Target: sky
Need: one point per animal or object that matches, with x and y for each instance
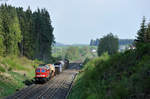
(79, 21)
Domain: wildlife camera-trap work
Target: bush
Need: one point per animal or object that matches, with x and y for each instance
(121, 76)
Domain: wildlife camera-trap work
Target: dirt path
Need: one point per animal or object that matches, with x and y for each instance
(56, 88)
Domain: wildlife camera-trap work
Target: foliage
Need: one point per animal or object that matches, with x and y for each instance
(108, 44)
(143, 35)
(9, 85)
(86, 61)
(121, 76)
(141, 32)
(2, 69)
(14, 71)
(10, 30)
(43, 34)
(74, 53)
(25, 33)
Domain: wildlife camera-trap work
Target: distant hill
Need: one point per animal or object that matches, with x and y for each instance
(121, 42)
(78, 45)
(59, 44)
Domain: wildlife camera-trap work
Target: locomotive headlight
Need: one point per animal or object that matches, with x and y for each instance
(42, 75)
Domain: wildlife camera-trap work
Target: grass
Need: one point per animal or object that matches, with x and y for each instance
(6, 89)
(2, 69)
(13, 72)
(9, 85)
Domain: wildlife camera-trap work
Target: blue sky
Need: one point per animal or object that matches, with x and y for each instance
(78, 21)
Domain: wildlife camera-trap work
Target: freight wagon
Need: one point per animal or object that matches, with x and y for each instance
(61, 65)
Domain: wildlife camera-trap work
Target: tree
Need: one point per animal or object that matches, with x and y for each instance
(43, 34)
(72, 53)
(10, 30)
(148, 33)
(141, 38)
(47, 35)
(91, 42)
(26, 26)
(25, 33)
(2, 47)
(96, 42)
(28, 35)
(21, 18)
(108, 44)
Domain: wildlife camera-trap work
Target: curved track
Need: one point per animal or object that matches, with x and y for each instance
(57, 88)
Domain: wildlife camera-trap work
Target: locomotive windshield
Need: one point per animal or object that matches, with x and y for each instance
(43, 70)
(38, 70)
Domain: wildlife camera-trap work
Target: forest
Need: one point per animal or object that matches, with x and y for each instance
(25, 33)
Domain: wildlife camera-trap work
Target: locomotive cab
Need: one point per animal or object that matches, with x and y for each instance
(42, 73)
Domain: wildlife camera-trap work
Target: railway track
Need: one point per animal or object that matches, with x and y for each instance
(57, 88)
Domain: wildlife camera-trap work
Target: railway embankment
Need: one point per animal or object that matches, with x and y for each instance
(15, 73)
(121, 76)
(56, 88)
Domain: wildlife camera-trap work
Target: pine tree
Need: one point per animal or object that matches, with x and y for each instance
(28, 34)
(47, 34)
(22, 22)
(2, 47)
(37, 32)
(11, 29)
(141, 38)
(25, 33)
(148, 33)
(43, 34)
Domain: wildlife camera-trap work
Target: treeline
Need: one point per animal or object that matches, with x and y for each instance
(25, 33)
(74, 53)
(78, 53)
(121, 42)
(94, 42)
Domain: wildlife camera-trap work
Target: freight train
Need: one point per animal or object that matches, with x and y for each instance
(45, 72)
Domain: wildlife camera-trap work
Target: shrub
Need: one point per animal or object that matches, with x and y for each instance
(121, 76)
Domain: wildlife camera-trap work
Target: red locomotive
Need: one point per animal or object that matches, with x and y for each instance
(44, 72)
